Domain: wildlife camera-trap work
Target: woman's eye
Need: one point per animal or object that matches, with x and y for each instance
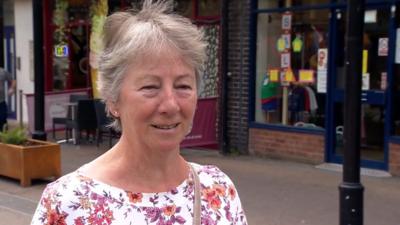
(149, 87)
(184, 87)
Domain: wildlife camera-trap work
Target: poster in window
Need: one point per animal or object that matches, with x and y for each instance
(285, 60)
(383, 80)
(322, 59)
(321, 81)
(365, 82)
(287, 77)
(383, 46)
(286, 38)
(297, 44)
(306, 76)
(280, 44)
(274, 75)
(365, 61)
(287, 21)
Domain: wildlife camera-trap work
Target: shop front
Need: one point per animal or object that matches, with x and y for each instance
(73, 41)
(298, 81)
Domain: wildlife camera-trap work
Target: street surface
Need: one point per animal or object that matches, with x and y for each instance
(273, 192)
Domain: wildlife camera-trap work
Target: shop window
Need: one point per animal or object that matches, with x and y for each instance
(308, 2)
(184, 7)
(291, 71)
(289, 3)
(396, 89)
(396, 100)
(209, 8)
(71, 44)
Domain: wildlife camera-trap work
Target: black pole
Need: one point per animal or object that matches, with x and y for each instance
(1, 36)
(223, 137)
(39, 70)
(351, 190)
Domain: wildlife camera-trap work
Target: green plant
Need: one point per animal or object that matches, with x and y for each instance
(16, 136)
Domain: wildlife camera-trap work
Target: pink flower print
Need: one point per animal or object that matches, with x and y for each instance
(169, 210)
(153, 213)
(232, 192)
(55, 218)
(207, 220)
(219, 189)
(135, 197)
(101, 216)
(79, 221)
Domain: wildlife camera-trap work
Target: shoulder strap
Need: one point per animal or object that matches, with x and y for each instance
(197, 197)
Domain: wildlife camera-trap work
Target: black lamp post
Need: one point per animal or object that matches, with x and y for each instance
(39, 69)
(351, 190)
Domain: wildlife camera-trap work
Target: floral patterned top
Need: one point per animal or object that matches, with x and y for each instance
(76, 199)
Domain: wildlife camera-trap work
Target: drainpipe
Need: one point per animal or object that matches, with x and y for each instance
(351, 190)
(37, 7)
(223, 108)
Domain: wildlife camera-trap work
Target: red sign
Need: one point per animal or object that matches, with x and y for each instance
(204, 124)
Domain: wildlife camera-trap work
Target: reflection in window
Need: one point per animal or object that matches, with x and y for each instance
(262, 4)
(291, 57)
(209, 7)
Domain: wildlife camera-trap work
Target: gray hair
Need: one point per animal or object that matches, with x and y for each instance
(134, 34)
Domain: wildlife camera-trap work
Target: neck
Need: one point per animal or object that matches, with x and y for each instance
(152, 170)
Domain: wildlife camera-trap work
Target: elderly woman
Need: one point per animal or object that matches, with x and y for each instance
(149, 73)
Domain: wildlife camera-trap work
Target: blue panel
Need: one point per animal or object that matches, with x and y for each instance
(279, 127)
(394, 139)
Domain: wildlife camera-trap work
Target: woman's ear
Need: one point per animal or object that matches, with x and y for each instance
(113, 109)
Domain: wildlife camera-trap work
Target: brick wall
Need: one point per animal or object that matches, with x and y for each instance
(287, 145)
(237, 86)
(394, 159)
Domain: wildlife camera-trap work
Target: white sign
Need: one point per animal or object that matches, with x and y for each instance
(286, 38)
(287, 21)
(370, 16)
(383, 46)
(322, 59)
(285, 60)
(397, 58)
(321, 81)
(383, 80)
(365, 82)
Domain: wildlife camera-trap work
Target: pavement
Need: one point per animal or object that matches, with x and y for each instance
(273, 192)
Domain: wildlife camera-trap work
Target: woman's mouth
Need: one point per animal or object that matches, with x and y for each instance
(165, 127)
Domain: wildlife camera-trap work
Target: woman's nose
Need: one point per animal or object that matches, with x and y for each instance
(169, 102)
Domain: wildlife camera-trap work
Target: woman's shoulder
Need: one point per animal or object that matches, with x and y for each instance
(65, 184)
(211, 174)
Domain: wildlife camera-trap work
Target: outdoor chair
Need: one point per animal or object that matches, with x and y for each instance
(85, 119)
(63, 120)
(102, 123)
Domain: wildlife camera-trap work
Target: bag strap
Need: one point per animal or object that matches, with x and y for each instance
(197, 197)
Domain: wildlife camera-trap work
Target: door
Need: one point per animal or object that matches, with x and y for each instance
(9, 65)
(375, 72)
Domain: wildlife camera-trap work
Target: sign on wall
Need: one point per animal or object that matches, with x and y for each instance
(61, 50)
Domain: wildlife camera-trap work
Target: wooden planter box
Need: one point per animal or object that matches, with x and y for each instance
(41, 160)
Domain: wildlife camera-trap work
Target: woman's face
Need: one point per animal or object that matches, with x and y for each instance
(157, 101)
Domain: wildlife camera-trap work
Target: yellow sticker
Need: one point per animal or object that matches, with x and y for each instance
(306, 76)
(365, 62)
(274, 75)
(289, 76)
(280, 45)
(297, 44)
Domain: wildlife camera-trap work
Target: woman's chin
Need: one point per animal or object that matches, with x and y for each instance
(167, 145)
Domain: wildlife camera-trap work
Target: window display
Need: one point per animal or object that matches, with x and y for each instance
(292, 68)
(288, 3)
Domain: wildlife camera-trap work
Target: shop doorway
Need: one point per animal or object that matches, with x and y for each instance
(375, 72)
(71, 70)
(9, 65)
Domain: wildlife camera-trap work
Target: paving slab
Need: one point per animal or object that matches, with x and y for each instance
(273, 192)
